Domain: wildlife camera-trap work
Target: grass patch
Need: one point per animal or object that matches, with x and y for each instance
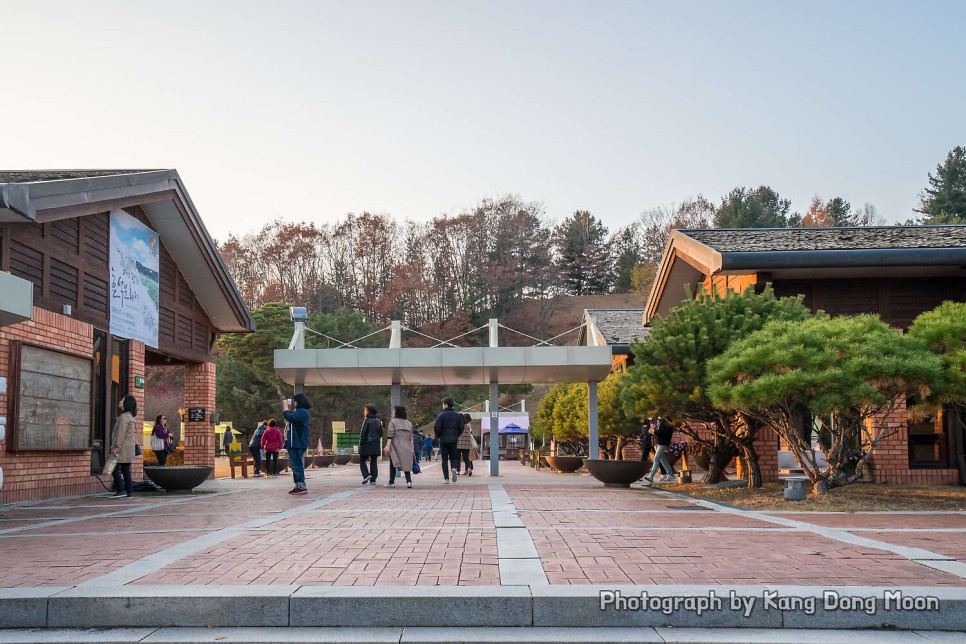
(859, 497)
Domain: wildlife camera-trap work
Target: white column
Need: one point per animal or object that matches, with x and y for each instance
(494, 407)
(592, 419)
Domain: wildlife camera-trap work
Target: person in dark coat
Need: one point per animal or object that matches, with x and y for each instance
(255, 447)
(226, 440)
(661, 432)
(298, 439)
(370, 445)
(448, 428)
(418, 445)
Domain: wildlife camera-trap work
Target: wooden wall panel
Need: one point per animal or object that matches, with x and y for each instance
(27, 262)
(68, 263)
(63, 282)
(67, 233)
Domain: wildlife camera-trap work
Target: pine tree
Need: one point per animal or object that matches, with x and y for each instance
(944, 199)
(670, 377)
(582, 254)
(759, 208)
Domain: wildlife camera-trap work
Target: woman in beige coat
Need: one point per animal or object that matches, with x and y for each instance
(400, 446)
(122, 447)
(464, 445)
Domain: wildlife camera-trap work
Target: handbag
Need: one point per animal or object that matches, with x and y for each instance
(109, 466)
(473, 442)
(157, 444)
(416, 469)
(137, 449)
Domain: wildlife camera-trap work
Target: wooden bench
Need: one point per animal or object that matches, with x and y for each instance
(243, 461)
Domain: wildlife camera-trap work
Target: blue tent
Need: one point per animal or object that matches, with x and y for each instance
(513, 428)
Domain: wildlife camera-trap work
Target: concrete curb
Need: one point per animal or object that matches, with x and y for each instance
(697, 606)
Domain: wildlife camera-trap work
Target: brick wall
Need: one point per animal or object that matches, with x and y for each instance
(136, 368)
(38, 475)
(891, 457)
(199, 391)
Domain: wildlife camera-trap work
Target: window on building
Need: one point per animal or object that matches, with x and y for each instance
(927, 442)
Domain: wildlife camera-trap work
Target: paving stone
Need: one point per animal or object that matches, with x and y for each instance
(784, 636)
(256, 635)
(393, 606)
(529, 634)
(73, 635)
(663, 606)
(170, 606)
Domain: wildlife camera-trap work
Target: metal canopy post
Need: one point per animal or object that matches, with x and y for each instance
(592, 419)
(494, 407)
(395, 342)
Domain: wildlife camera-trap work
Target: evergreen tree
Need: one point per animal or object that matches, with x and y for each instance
(842, 375)
(944, 199)
(670, 376)
(582, 254)
(626, 251)
(745, 208)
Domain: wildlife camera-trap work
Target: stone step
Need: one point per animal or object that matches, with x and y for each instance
(679, 606)
(524, 635)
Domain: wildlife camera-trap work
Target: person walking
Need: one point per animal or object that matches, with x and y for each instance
(160, 439)
(427, 448)
(399, 447)
(436, 448)
(448, 428)
(418, 445)
(464, 445)
(122, 447)
(226, 440)
(370, 445)
(255, 447)
(661, 431)
(298, 438)
(272, 441)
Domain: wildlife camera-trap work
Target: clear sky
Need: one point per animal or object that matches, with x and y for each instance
(308, 110)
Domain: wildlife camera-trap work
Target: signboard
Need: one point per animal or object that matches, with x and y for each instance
(134, 279)
(52, 403)
(139, 382)
(196, 415)
(521, 422)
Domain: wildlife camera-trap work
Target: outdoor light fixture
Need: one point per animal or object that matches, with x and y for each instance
(299, 313)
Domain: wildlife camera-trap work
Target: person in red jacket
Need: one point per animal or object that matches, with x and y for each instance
(272, 441)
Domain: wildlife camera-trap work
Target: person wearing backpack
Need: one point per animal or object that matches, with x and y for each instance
(255, 447)
(272, 441)
(370, 445)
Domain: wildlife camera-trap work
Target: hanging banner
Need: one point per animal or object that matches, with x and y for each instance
(134, 279)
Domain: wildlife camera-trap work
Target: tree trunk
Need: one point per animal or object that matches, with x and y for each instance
(820, 486)
(715, 466)
(751, 460)
(618, 454)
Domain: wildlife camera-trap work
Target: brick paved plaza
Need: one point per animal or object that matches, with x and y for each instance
(527, 527)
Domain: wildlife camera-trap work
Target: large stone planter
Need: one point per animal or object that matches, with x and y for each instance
(178, 477)
(343, 459)
(325, 460)
(617, 473)
(565, 463)
(355, 459)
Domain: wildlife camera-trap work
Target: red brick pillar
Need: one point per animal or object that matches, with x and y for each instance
(199, 391)
(135, 369)
(766, 444)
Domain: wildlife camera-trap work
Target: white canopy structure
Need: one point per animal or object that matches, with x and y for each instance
(397, 366)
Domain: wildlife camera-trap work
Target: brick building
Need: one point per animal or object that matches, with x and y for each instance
(896, 272)
(104, 273)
